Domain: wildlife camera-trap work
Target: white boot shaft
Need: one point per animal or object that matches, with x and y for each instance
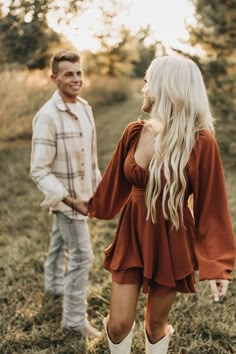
(123, 347)
(161, 347)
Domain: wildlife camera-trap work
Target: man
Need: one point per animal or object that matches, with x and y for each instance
(64, 167)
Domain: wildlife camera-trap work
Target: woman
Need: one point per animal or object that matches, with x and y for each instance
(157, 165)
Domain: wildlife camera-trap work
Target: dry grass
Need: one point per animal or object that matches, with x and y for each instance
(23, 93)
(30, 323)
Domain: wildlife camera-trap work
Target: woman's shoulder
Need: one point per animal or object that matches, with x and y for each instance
(205, 138)
(136, 124)
(206, 143)
(132, 132)
(133, 128)
(206, 134)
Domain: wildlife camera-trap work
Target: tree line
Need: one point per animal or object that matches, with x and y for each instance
(26, 40)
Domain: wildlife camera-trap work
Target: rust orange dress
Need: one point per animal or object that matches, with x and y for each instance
(157, 254)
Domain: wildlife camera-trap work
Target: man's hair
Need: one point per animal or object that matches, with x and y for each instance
(63, 55)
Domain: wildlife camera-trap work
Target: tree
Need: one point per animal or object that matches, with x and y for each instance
(146, 52)
(215, 33)
(113, 60)
(129, 56)
(25, 37)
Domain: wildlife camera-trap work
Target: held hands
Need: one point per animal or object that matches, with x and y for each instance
(81, 206)
(219, 289)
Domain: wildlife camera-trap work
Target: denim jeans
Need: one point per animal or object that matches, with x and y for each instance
(71, 236)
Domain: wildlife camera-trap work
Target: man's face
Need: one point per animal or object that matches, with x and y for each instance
(68, 80)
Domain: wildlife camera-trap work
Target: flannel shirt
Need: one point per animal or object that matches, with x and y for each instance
(58, 155)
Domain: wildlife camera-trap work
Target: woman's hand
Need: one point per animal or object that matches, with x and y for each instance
(219, 288)
(81, 206)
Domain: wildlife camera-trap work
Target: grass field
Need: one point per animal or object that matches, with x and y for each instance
(29, 323)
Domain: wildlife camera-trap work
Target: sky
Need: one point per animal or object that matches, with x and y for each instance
(167, 19)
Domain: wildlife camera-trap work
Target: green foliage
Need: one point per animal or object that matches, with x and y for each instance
(25, 37)
(215, 25)
(145, 53)
(215, 33)
(129, 57)
(112, 60)
(122, 53)
(27, 40)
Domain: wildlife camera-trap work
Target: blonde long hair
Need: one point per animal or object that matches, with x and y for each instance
(180, 104)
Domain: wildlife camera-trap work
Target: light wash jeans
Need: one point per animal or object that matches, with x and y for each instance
(71, 236)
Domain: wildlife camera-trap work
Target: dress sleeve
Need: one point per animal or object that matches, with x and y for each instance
(114, 189)
(214, 240)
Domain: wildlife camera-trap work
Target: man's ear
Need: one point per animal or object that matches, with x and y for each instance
(53, 78)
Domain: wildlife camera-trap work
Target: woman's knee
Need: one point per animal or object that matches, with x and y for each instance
(153, 326)
(156, 329)
(119, 328)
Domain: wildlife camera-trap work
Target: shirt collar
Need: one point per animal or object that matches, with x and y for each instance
(61, 105)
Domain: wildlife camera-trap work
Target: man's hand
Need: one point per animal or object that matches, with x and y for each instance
(81, 206)
(219, 288)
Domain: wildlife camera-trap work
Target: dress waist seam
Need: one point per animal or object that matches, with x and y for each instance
(138, 190)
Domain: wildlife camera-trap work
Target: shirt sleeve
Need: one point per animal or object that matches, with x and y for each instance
(98, 176)
(42, 155)
(214, 241)
(114, 189)
(95, 157)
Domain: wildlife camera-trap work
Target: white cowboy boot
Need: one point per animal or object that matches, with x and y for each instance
(161, 347)
(123, 347)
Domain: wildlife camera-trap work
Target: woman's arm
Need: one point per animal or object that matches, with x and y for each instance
(114, 189)
(214, 242)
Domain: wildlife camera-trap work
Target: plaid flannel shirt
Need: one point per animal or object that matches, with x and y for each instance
(58, 155)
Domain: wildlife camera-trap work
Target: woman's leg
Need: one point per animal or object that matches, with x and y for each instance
(123, 305)
(158, 306)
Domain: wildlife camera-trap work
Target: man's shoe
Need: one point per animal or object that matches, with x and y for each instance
(87, 331)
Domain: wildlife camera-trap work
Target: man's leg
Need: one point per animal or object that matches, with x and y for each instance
(80, 254)
(54, 266)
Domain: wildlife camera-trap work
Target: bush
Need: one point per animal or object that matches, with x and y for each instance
(106, 90)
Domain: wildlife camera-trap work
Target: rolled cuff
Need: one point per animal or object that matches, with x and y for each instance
(51, 200)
